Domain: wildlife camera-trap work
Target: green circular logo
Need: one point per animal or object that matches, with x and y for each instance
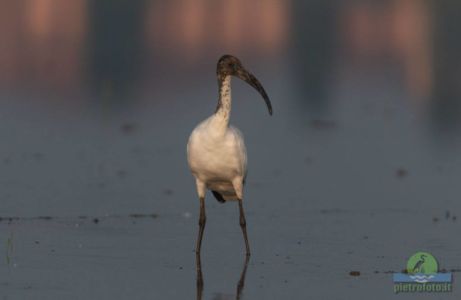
(422, 262)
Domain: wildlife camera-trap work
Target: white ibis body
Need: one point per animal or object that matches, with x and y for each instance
(216, 151)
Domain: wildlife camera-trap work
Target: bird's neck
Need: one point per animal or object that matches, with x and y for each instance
(222, 114)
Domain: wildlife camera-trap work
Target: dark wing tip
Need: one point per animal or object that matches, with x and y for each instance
(218, 197)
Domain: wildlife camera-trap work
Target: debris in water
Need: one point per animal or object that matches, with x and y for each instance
(95, 220)
(323, 124)
(401, 172)
(128, 128)
(354, 273)
(121, 174)
(135, 215)
(168, 192)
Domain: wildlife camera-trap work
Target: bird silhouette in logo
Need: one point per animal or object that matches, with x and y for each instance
(419, 266)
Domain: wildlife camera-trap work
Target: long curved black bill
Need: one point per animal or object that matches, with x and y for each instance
(251, 80)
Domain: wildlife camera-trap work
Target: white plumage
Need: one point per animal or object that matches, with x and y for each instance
(217, 161)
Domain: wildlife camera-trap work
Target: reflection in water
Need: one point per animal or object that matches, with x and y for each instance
(116, 45)
(313, 36)
(411, 39)
(240, 283)
(364, 35)
(195, 28)
(394, 32)
(42, 43)
(446, 104)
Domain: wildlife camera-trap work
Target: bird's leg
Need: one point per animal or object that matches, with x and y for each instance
(243, 225)
(201, 223)
(241, 282)
(199, 276)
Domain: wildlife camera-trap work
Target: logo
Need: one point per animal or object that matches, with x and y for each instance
(422, 276)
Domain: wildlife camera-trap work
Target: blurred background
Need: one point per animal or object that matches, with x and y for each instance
(98, 98)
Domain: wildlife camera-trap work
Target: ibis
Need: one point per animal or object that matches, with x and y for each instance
(216, 151)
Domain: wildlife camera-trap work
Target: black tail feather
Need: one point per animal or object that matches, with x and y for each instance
(218, 197)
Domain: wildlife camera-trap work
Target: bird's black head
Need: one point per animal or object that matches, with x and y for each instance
(229, 65)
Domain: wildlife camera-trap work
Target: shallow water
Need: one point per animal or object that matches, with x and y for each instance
(357, 170)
